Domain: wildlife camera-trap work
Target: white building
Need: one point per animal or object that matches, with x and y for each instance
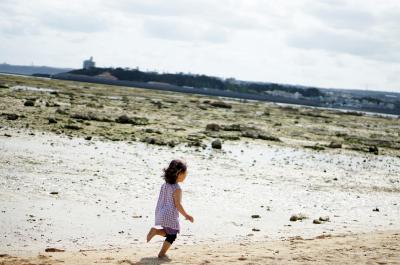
(87, 64)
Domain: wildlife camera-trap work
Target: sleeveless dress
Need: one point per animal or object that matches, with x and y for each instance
(167, 214)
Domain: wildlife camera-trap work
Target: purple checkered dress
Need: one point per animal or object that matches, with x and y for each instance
(167, 214)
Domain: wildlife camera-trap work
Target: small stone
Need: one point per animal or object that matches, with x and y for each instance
(373, 149)
(54, 193)
(323, 236)
(72, 126)
(213, 127)
(216, 144)
(255, 230)
(51, 120)
(297, 217)
(54, 250)
(171, 143)
(124, 119)
(264, 136)
(221, 104)
(62, 111)
(335, 145)
(324, 218)
(254, 216)
(137, 216)
(29, 103)
(11, 116)
(375, 209)
(317, 221)
(88, 138)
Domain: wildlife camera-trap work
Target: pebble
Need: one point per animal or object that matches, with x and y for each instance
(51, 120)
(11, 116)
(216, 144)
(54, 250)
(324, 218)
(297, 217)
(29, 103)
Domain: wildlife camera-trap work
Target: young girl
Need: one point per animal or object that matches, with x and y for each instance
(169, 206)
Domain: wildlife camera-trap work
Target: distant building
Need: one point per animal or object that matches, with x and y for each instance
(87, 64)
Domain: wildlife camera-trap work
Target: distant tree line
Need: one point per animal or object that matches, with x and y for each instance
(198, 81)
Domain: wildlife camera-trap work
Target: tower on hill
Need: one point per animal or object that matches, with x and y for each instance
(87, 64)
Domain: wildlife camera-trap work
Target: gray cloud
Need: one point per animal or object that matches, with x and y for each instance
(183, 30)
(342, 27)
(348, 43)
(341, 16)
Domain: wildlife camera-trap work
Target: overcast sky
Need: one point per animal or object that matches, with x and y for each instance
(327, 43)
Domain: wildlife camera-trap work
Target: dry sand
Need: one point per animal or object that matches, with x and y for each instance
(375, 248)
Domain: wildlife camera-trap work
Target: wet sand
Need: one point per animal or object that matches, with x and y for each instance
(106, 192)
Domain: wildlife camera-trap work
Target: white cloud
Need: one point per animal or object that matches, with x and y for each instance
(330, 43)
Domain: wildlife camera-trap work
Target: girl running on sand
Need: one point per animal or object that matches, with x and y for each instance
(169, 206)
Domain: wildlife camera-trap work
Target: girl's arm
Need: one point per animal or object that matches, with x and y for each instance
(178, 204)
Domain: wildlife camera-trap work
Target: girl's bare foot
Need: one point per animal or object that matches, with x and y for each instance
(151, 234)
(164, 257)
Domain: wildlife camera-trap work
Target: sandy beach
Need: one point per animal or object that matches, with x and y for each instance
(255, 201)
(375, 248)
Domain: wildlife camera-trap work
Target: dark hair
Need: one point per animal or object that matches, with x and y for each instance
(174, 169)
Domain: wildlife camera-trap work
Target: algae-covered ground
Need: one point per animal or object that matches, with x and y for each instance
(167, 118)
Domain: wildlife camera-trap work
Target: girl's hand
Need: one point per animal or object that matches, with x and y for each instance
(190, 218)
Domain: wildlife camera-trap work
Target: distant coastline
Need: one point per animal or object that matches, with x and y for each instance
(314, 102)
(345, 99)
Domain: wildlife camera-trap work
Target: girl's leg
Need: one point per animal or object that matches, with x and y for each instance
(153, 232)
(170, 238)
(164, 249)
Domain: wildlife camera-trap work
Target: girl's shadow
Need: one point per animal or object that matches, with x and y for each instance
(153, 261)
(147, 261)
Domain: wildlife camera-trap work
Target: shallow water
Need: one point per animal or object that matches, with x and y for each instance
(32, 88)
(108, 191)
